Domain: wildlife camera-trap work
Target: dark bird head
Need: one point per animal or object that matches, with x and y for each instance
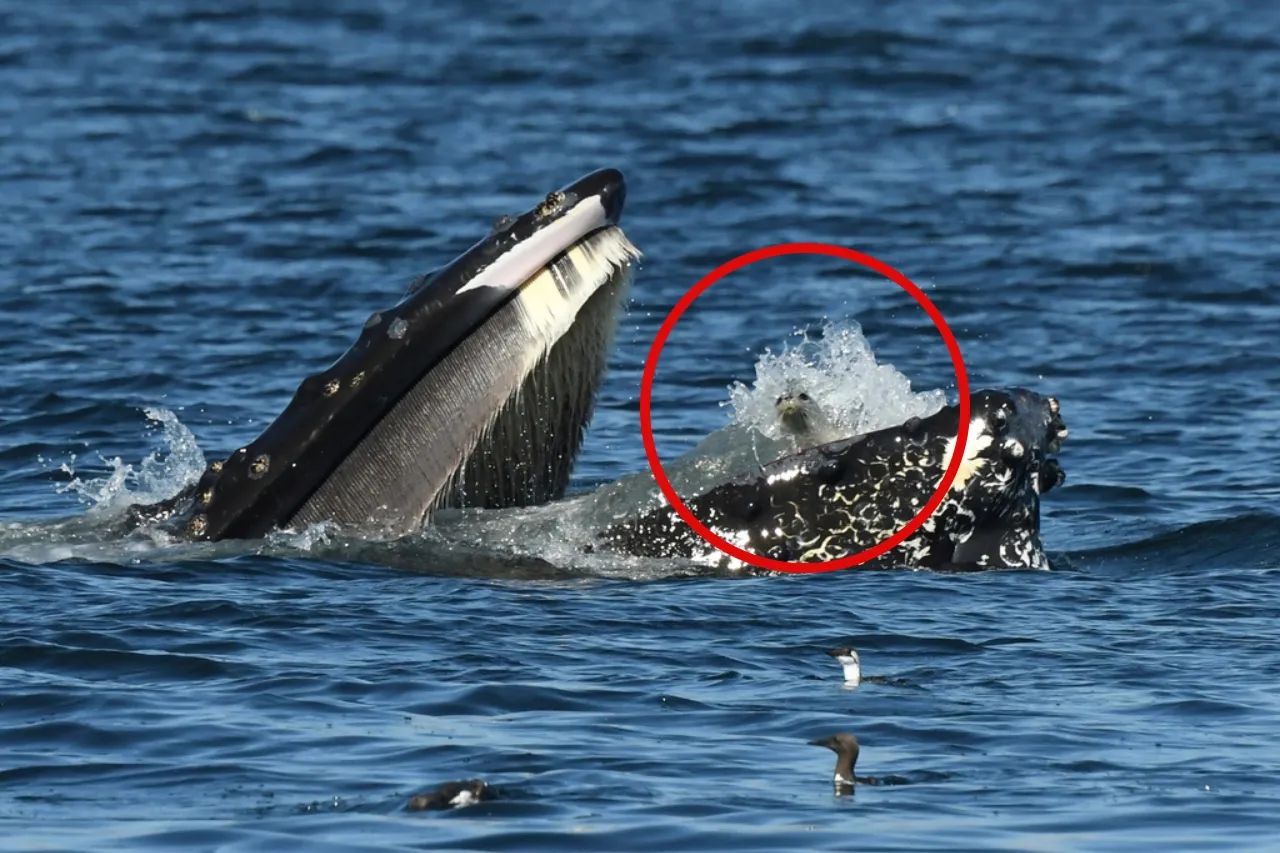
(845, 746)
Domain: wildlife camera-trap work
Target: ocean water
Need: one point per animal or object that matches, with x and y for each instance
(202, 201)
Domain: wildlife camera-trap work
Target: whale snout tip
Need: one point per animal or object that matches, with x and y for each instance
(608, 186)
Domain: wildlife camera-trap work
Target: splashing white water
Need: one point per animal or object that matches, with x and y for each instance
(840, 374)
(160, 475)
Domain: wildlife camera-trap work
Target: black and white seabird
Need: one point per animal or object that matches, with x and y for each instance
(452, 795)
(848, 659)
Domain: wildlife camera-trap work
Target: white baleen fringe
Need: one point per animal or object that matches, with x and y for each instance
(549, 302)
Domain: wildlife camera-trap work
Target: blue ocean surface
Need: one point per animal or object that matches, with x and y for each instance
(202, 201)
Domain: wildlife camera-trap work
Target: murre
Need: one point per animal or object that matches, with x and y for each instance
(848, 659)
(451, 795)
(845, 746)
(853, 674)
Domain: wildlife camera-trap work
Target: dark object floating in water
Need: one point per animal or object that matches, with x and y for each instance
(452, 795)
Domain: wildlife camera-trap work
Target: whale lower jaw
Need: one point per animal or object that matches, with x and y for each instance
(474, 390)
(838, 499)
(500, 420)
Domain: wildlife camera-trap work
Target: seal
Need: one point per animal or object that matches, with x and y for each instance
(841, 498)
(451, 795)
(804, 420)
(474, 390)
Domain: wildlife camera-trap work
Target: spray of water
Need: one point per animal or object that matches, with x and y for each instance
(839, 372)
(160, 475)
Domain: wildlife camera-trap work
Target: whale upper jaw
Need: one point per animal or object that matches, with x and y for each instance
(997, 524)
(470, 357)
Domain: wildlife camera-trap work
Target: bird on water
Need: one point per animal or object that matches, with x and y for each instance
(848, 658)
(451, 795)
(845, 746)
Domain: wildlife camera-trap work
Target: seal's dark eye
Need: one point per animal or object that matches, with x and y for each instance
(804, 396)
(778, 402)
(999, 418)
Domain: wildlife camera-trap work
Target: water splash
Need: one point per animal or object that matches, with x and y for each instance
(160, 475)
(840, 373)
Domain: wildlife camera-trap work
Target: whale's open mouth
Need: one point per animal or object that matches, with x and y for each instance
(841, 498)
(474, 390)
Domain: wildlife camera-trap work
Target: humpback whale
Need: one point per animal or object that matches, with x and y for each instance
(474, 390)
(843, 497)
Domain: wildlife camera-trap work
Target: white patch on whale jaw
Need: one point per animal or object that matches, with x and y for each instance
(971, 463)
(530, 256)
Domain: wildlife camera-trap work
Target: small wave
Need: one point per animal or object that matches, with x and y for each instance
(837, 368)
(162, 474)
(1248, 540)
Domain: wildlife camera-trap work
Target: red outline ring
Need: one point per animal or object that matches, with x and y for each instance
(660, 340)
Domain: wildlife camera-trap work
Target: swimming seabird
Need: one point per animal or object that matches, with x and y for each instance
(845, 746)
(452, 795)
(848, 659)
